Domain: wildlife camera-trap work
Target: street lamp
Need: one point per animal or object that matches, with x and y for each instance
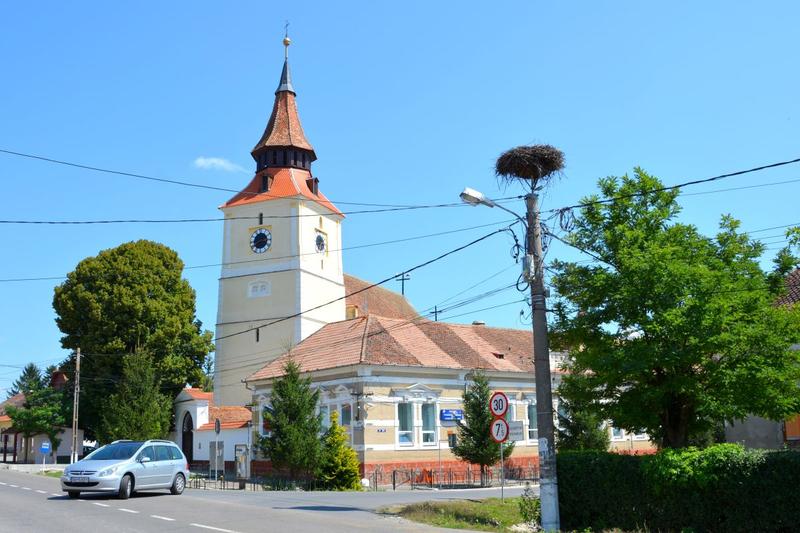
(474, 198)
(533, 268)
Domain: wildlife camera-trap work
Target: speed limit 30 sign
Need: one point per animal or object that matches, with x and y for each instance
(498, 404)
(499, 430)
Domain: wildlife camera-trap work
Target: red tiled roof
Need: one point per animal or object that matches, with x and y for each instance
(792, 295)
(377, 340)
(230, 417)
(377, 300)
(18, 400)
(199, 394)
(284, 128)
(286, 183)
(5, 418)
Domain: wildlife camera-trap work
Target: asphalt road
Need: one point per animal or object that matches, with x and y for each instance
(34, 503)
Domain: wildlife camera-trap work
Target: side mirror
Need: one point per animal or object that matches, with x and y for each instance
(144, 459)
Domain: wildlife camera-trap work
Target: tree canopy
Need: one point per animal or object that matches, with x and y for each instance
(580, 429)
(42, 413)
(294, 426)
(124, 300)
(138, 410)
(475, 444)
(29, 380)
(671, 332)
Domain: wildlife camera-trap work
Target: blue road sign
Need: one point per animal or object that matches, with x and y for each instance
(44, 447)
(449, 415)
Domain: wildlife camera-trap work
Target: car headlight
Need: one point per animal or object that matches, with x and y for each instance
(107, 471)
(67, 472)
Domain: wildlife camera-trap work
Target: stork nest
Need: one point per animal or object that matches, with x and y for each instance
(535, 163)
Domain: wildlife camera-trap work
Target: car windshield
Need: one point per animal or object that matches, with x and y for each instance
(116, 450)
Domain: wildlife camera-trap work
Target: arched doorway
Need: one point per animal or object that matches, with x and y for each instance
(187, 437)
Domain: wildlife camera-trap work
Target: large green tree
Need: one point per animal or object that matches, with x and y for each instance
(42, 413)
(671, 332)
(294, 439)
(124, 300)
(29, 380)
(475, 444)
(138, 410)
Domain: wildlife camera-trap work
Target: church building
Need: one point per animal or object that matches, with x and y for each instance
(395, 378)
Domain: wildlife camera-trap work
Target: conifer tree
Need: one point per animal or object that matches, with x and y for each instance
(138, 410)
(28, 381)
(339, 467)
(580, 429)
(293, 443)
(475, 444)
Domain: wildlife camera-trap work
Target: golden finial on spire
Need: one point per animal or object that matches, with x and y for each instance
(286, 40)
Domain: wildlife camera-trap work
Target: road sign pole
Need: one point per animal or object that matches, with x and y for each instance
(502, 475)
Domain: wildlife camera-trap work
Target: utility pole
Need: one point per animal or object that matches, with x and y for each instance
(75, 400)
(402, 278)
(548, 481)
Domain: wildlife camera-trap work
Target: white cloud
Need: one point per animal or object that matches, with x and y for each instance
(217, 163)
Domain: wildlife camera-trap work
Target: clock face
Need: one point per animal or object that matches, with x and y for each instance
(260, 240)
(320, 243)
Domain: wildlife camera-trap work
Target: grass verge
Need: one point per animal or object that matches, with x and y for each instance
(51, 473)
(482, 515)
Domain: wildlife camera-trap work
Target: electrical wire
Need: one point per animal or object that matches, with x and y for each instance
(294, 256)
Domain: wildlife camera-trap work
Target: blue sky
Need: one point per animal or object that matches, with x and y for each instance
(404, 103)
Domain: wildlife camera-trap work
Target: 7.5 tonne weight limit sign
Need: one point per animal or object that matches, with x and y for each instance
(499, 430)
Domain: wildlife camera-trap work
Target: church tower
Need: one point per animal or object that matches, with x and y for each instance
(281, 254)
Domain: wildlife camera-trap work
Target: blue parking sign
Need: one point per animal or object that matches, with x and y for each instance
(44, 447)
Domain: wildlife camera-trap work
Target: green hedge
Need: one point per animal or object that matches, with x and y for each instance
(720, 488)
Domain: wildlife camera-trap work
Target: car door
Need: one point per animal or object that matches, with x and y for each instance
(147, 476)
(164, 469)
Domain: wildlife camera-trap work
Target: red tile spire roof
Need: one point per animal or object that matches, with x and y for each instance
(283, 155)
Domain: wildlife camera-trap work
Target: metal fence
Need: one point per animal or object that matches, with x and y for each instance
(454, 478)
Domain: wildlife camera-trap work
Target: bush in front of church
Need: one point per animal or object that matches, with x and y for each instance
(339, 467)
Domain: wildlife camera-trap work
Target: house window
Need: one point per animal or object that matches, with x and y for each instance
(258, 334)
(261, 218)
(428, 423)
(533, 428)
(405, 424)
(324, 414)
(616, 433)
(510, 412)
(347, 414)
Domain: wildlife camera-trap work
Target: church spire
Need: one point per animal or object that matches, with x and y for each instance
(286, 75)
(284, 143)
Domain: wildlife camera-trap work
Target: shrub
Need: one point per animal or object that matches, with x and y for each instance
(530, 507)
(720, 488)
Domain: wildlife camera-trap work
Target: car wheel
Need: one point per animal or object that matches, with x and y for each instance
(73, 494)
(125, 487)
(178, 485)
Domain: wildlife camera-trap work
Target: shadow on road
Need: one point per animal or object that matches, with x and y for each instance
(322, 508)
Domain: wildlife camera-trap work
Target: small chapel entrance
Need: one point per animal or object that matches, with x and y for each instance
(187, 437)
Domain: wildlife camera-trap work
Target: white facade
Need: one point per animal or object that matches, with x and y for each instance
(255, 289)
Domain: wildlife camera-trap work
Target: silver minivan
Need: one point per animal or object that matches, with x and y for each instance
(125, 466)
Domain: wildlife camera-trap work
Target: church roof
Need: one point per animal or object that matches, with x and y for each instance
(286, 183)
(792, 295)
(376, 340)
(199, 394)
(377, 300)
(230, 417)
(284, 128)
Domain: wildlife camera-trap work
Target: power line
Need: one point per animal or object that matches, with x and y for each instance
(386, 280)
(184, 183)
(676, 186)
(293, 256)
